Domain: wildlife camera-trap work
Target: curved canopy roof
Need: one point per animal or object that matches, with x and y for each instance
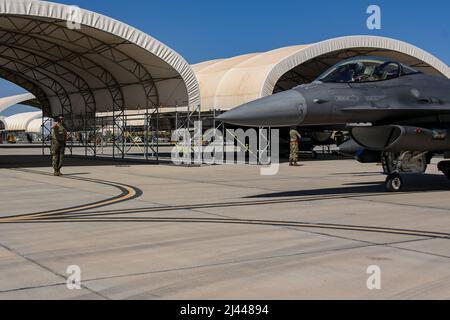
(226, 83)
(35, 126)
(7, 102)
(20, 121)
(30, 122)
(77, 62)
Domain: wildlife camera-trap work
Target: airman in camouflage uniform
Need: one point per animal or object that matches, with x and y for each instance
(294, 140)
(59, 139)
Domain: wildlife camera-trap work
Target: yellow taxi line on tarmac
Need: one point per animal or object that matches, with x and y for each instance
(130, 194)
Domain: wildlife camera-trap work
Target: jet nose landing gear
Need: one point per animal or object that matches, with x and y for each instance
(394, 183)
(444, 167)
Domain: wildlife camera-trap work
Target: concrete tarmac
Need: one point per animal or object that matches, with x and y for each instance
(220, 232)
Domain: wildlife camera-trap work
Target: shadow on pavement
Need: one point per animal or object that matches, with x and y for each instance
(412, 183)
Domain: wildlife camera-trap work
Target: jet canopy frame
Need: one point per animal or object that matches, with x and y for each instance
(365, 69)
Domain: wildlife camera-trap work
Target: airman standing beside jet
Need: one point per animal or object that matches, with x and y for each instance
(295, 137)
(59, 140)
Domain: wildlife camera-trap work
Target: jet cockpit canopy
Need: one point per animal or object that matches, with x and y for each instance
(365, 69)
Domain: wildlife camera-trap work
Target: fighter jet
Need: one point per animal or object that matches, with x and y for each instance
(396, 114)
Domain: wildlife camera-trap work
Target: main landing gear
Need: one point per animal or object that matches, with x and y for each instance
(395, 163)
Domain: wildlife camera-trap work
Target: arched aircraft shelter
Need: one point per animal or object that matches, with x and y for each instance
(227, 83)
(79, 63)
(97, 71)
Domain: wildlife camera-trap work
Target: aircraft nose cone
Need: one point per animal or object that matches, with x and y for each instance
(283, 109)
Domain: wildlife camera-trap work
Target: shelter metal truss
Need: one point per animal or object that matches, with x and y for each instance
(46, 132)
(45, 35)
(119, 136)
(152, 125)
(29, 68)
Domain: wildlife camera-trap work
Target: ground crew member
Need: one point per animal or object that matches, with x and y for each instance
(59, 139)
(294, 140)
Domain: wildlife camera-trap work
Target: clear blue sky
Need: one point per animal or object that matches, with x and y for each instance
(207, 29)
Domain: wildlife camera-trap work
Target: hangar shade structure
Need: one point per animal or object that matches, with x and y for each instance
(7, 102)
(227, 83)
(21, 121)
(77, 62)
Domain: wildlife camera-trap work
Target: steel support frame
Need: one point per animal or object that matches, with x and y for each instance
(119, 127)
(46, 133)
(195, 115)
(37, 28)
(39, 78)
(264, 138)
(290, 76)
(33, 81)
(28, 85)
(220, 126)
(152, 118)
(264, 145)
(185, 120)
(85, 122)
(60, 55)
(57, 30)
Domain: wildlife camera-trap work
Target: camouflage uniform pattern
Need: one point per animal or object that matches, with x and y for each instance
(59, 135)
(294, 135)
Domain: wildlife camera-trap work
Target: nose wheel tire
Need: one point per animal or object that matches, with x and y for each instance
(394, 183)
(444, 167)
(447, 173)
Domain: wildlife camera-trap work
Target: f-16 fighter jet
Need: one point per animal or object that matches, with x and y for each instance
(390, 110)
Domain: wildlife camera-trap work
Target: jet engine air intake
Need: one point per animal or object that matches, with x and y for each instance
(395, 138)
